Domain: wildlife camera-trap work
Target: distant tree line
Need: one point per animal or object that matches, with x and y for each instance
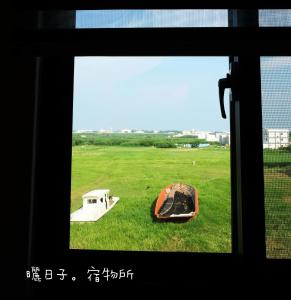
(135, 140)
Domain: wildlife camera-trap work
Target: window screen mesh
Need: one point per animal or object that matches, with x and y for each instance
(148, 18)
(275, 17)
(276, 108)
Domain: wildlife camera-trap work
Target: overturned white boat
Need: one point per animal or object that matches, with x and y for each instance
(95, 204)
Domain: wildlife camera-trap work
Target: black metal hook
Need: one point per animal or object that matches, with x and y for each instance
(223, 84)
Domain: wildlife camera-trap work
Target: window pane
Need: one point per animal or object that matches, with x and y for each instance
(146, 128)
(151, 18)
(276, 105)
(275, 17)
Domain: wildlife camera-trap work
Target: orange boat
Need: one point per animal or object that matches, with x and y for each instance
(177, 201)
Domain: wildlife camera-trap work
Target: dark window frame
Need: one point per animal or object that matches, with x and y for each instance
(50, 50)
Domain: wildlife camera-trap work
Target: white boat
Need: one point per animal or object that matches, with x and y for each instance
(95, 204)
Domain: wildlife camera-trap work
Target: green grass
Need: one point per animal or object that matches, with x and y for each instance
(277, 174)
(137, 175)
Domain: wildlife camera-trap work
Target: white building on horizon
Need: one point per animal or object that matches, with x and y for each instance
(220, 137)
(274, 138)
(84, 131)
(187, 132)
(223, 138)
(126, 130)
(105, 131)
(212, 137)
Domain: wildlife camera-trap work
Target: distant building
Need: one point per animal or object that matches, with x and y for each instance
(212, 137)
(220, 137)
(139, 131)
(223, 138)
(105, 131)
(126, 131)
(202, 135)
(186, 132)
(274, 138)
(84, 131)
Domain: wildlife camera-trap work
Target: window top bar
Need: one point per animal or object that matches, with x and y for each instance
(156, 41)
(149, 4)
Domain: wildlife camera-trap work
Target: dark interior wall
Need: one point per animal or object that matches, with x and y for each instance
(31, 84)
(52, 159)
(18, 93)
(34, 83)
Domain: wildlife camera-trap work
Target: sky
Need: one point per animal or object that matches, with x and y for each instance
(276, 91)
(151, 18)
(172, 17)
(153, 93)
(164, 93)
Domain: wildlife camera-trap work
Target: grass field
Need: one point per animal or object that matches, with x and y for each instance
(278, 203)
(137, 175)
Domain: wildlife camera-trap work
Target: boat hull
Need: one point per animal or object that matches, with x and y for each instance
(177, 201)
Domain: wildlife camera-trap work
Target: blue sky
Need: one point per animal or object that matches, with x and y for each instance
(276, 91)
(148, 93)
(151, 18)
(169, 92)
(172, 17)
